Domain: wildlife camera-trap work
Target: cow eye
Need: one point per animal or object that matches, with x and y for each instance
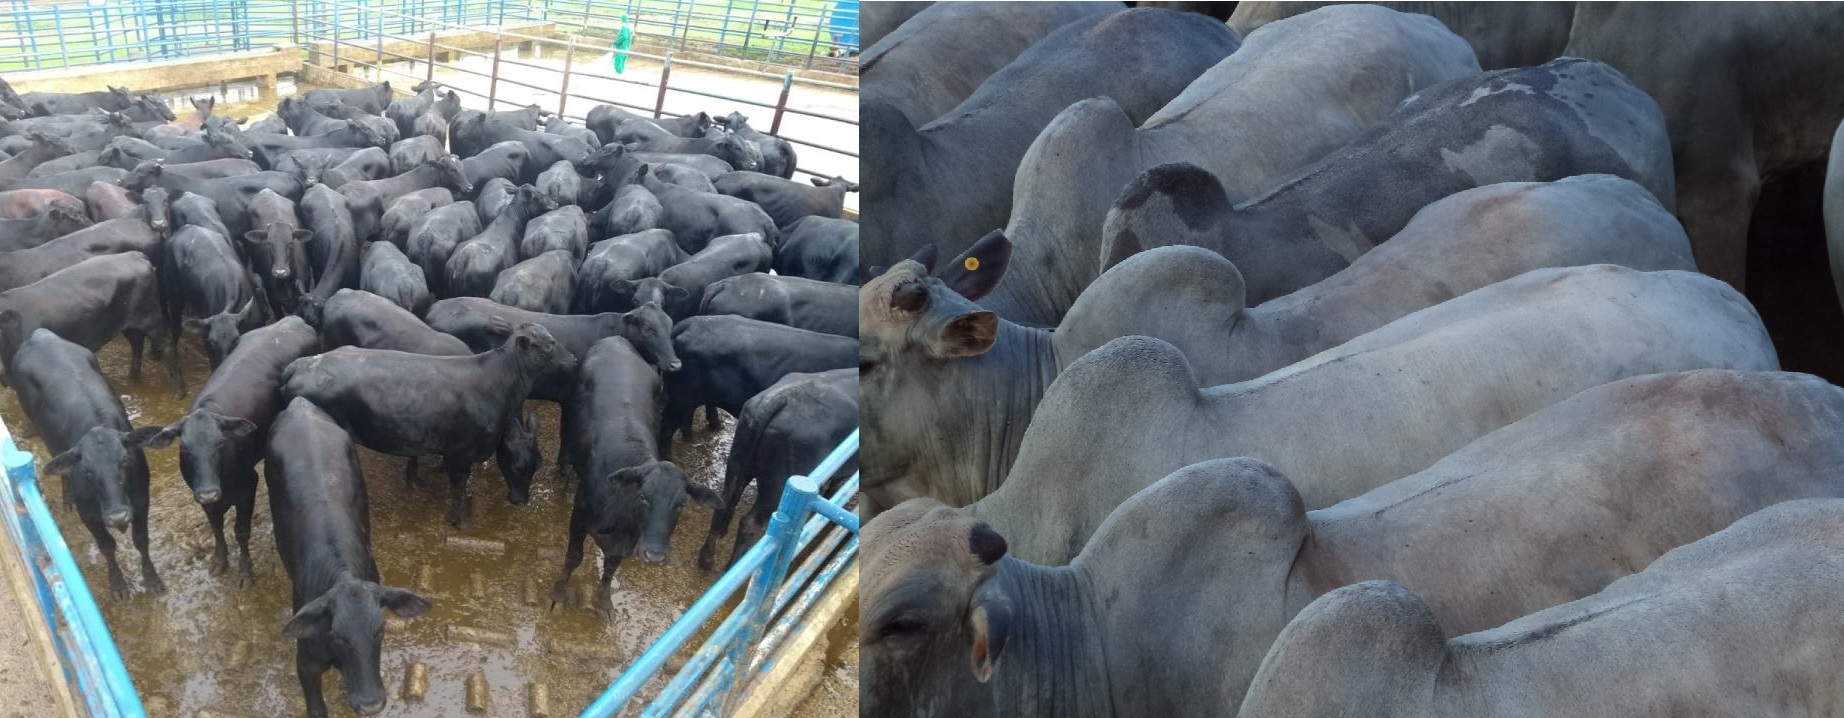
(866, 365)
(905, 626)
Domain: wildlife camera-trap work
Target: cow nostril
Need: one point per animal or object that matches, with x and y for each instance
(280, 273)
(369, 709)
(207, 498)
(653, 556)
(118, 520)
(674, 366)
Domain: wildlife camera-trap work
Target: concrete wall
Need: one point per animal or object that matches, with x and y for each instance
(259, 65)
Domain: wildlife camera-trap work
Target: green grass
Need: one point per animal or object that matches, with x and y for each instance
(714, 25)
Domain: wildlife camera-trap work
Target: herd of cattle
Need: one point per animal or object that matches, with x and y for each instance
(403, 274)
(1342, 360)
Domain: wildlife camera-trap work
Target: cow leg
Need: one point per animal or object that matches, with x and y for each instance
(105, 542)
(748, 530)
(720, 518)
(149, 575)
(1718, 182)
(604, 594)
(246, 509)
(136, 340)
(309, 671)
(220, 553)
(711, 420)
(458, 472)
(572, 557)
(409, 473)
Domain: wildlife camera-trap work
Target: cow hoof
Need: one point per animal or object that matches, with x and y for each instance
(155, 586)
(560, 596)
(118, 590)
(704, 559)
(246, 580)
(604, 606)
(219, 566)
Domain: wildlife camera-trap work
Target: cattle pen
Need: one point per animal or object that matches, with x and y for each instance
(769, 637)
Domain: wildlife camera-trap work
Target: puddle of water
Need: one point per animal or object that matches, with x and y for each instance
(208, 646)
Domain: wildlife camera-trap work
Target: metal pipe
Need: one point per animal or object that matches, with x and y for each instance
(493, 84)
(796, 500)
(429, 75)
(781, 105)
(563, 91)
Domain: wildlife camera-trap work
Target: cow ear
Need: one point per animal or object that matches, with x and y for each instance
(821, 182)
(925, 257)
(969, 334)
(192, 325)
(703, 495)
(499, 326)
(977, 271)
(140, 437)
(254, 236)
(62, 464)
(630, 476)
(236, 427)
(991, 617)
(161, 437)
(677, 294)
(623, 286)
(302, 235)
(311, 620)
(403, 603)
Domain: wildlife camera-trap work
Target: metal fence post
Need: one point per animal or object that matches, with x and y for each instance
(336, 4)
(665, 75)
(57, 21)
(493, 83)
(430, 77)
(784, 527)
(294, 22)
(563, 93)
(380, 61)
(781, 105)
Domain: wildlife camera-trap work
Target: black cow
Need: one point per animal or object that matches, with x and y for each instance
(787, 201)
(222, 435)
(797, 302)
(778, 156)
(561, 182)
(309, 163)
(275, 250)
(504, 160)
(232, 194)
(565, 228)
(460, 408)
(42, 104)
(629, 257)
(680, 288)
(561, 126)
(475, 265)
(55, 221)
(409, 152)
(544, 149)
(323, 533)
(215, 143)
(686, 177)
(93, 447)
(728, 359)
(634, 209)
(362, 319)
(372, 100)
(128, 234)
(270, 147)
(696, 217)
(626, 495)
(394, 226)
(782, 432)
(366, 164)
(71, 183)
(493, 198)
(433, 238)
(484, 324)
(819, 248)
(89, 303)
(207, 291)
(604, 120)
(738, 152)
(390, 274)
(545, 283)
(368, 198)
(42, 148)
(332, 249)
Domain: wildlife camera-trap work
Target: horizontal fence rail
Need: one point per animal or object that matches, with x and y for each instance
(92, 667)
(722, 667)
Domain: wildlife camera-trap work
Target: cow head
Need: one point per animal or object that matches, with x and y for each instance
(519, 458)
(119, 98)
(452, 174)
(840, 182)
(934, 622)
(651, 290)
(916, 329)
(643, 508)
(734, 122)
(204, 105)
(449, 105)
(280, 246)
(155, 109)
(739, 152)
(96, 472)
(49, 146)
(649, 329)
(159, 210)
(533, 201)
(143, 175)
(347, 623)
(222, 330)
(368, 134)
(209, 448)
(538, 351)
(64, 220)
(216, 135)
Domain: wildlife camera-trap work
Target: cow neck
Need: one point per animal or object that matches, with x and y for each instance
(1007, 382)
(325, 563)
(507, 222)
(506, 355)
(1055, 661)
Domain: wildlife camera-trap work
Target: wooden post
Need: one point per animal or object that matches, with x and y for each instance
(493, 84)
(665, 75)
(563, 93)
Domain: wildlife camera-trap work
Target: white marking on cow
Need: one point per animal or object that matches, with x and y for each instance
(1502, 154)
(1482, 92)
(1347, 242)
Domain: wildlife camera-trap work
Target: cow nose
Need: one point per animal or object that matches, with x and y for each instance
(280, 273)
(674, 366)
(118, 520)
(518, 498)
(653, 556)
(207, 498)
(369, 709)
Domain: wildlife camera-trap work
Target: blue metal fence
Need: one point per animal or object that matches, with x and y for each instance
(721, 667)
(92, 666)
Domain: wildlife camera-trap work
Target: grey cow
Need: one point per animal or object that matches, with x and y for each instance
(1744, 622)
(946, 182)
(1388, 403)
(1296, 91)
(1503, 34)
(1564, 118)
(1195, 299)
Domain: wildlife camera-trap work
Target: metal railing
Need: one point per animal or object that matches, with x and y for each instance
(46, 35)
(721, 668)
(362, 36)
(805, 33)
(92, 666)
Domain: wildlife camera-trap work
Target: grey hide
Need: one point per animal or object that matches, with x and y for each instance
(962, 416)
(1293, 93)
(1386, 404)
(950, 181)
(1744, 622)
(1502, 34)
(1565, 118)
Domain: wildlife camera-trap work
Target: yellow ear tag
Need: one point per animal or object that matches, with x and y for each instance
(972, 263)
